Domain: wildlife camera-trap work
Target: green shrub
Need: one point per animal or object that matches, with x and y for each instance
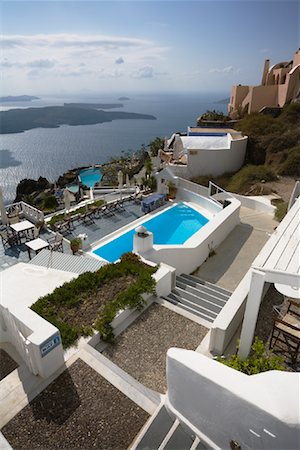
(155, 145)
(259, 361)
(248, 175)
(74, 293)
(291, 166)
(281, 210)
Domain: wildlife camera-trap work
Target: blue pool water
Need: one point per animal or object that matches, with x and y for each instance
(174, 226)
(90, 177)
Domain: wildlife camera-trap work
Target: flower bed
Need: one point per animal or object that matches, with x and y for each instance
(91, 301)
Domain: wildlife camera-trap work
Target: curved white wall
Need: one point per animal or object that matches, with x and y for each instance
(187, 257)
(221, 404)
(217, 161)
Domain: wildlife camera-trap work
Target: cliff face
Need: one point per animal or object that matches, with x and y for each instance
(28, 187)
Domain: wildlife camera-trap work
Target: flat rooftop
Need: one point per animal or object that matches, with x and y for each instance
(233, 133)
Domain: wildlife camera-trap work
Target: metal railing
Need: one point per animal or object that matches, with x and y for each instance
(217, 193)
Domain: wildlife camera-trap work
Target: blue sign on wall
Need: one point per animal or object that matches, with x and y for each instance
(49, 345)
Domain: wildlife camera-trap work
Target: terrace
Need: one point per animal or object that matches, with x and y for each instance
(135, 364)
(98, 227)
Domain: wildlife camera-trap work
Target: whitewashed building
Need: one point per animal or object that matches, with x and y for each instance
(204, 151)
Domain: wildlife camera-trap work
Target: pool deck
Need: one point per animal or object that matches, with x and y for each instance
(233, 258)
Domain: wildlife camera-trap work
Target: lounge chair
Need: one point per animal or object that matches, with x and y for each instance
(56, 243)
(285, 336)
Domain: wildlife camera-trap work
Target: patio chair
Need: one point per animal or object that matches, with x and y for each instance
(8, 239)
(119, 205)
(56, 243)
(107, 210)
(285, 336)
(87, 217)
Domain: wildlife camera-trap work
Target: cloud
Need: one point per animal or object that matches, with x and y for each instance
(41, 64)
(119, 60)
(72, 40)
(35, 64)
(144, 72)
(227, 69)
(113, 73)
(64, 56)
(264, 50)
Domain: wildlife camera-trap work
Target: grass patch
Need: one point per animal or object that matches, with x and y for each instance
(281, 210)
(247, 176)
(291, 166)
(92, 300)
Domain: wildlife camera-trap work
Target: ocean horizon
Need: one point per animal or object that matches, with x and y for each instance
(49, 152)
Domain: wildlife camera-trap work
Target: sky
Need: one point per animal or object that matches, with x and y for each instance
(60, 47)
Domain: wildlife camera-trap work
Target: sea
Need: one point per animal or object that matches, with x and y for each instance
(49, 152)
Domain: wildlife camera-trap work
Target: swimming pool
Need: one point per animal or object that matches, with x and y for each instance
(172, 227)
(90, 176)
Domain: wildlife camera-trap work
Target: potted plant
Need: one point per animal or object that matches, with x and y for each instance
(172, 190)
(75, 245)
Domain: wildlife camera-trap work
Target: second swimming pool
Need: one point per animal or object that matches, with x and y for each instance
(172, 227)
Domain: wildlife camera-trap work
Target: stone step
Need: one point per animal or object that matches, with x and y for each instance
(207, 300)
(206, 290)
(192, 308)
(198, 301)
(178, 440)
(206, 283)
(157, 431)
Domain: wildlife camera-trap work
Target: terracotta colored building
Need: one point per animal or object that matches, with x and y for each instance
(280, 84)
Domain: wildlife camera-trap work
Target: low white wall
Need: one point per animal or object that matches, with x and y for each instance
(188, 196)
(220, 404)
(230, 318)
(187, 257)
(255, 203)
(165, 281)
(37, 341)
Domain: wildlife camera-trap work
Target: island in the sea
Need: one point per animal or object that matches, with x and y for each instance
(224, 101)
(94, 105)
(18, 98)
(18, 120)
(122, 99)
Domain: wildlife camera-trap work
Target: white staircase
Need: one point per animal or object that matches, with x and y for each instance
(166, 433)
(198, 297)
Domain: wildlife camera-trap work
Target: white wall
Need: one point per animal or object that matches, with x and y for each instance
(221, 404)
(187, 257)
(29, 333)
(21, 286)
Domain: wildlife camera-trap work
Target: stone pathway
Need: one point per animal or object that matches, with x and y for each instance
(141, 349)
(233, 258)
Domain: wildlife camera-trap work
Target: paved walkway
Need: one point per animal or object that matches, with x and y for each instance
(235, 255)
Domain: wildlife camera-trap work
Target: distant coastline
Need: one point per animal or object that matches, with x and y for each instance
(18, 98)
(224, 101)
(94, 105)
(19, 120)
(123, 98)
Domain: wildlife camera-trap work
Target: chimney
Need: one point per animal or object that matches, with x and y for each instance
(265, 72)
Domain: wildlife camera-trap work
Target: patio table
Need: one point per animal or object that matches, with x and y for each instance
(36, 245)
(22, 227)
